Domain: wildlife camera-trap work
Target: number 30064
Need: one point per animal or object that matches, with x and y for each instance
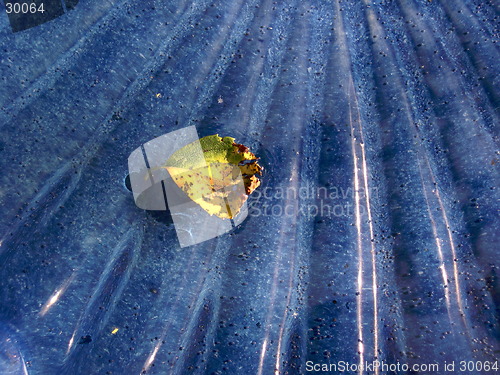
(24, 8)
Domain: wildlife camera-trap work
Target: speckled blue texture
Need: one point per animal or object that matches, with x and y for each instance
(398, 98)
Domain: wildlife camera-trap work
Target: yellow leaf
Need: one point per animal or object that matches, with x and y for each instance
(216, 173)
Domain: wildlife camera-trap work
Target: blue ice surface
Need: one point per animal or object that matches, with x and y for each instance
(399, 99)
